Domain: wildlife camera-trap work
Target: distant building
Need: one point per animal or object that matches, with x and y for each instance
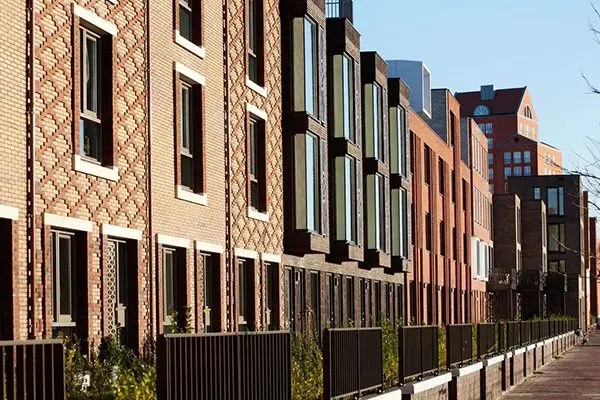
(508, 118)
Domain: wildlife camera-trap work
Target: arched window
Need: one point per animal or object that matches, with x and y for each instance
(481, 110)
(528, 113)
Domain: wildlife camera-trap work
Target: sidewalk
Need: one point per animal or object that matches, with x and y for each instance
(575, 375)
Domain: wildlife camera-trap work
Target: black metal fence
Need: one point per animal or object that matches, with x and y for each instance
(249, 366)
(486, 340)
(459, 344)
(418, 351)
(32, 370)
(352, 361)
(525, 333)
(535, 331)
(513, 335)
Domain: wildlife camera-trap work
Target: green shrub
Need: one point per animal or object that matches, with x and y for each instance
(307, 367)
(442, 347)
(475, 342)
(390, 354)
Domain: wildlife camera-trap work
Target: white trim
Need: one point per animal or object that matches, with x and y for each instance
(261, 90)
(118, 231)
(8, 212)
(76, 224)
(269, 257)
(186, 195)
(200, 51)
(252, 213)
(243, 253)
(519, 351)
(209, 247)
(257, 112)
(173, 241)
(508, 355)
(190, 74)
(539, 344)
(81, 165)
(530, 347)
(459, 372)
(548, 341)
(95, 20)
(424, 385)
(493, 360)
(394, 394)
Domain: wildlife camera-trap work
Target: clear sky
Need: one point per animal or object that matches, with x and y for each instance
(542, 44)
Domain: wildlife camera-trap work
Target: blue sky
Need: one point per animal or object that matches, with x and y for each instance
(542, 44)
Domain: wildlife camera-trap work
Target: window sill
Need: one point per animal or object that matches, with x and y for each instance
(81, 165)
(199, 51)
(64, 324)
(186, 195)
(256, 88)
(257, 215)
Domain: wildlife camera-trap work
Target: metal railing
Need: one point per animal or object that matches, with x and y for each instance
(525, 332)
(536, 331)
(500, 279)
(486, 340)
(459, 344)
(418, 352)
(32, 370)
(249, 366)
(339, 9)
(352, 361)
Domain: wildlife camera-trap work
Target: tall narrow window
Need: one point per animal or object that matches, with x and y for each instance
(374, 121)
(255, 41)
(377, 303)
(290, 298)
(331, 298)
(310, 66)
(344, 97)
(312, 183)
(91, 96)
(442, 239)
(556, 237)
(64, 299)
(427, 164)
(527, 157)
(245, 294)
(428, 231)
(117, 271)
(363, 305)
(442, 176)
(187, 158)
(315, 302)
(345, 199)
(257, 164)
(376, 212)
(170, 306)
(397, 140)
(212, 283)
(537, 195)
(400, 223)
(517, 157)
(507, 158)
(272, 293)
(556, 200)
(350, 300)
(340, 300)
(190, 135)
(185, 19)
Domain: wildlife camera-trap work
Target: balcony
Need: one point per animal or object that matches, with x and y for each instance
(531, 279)
(502, 279)
(339, 9)
(556, 282)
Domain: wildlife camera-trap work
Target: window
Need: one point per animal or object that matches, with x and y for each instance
(212, 279)
(427, 231)
(427, 164)
(557, 266)
(454, 244)
(345, 199)
(376, 189)
(272, 293)
(350, 300)
(518, 171)
(374, 121)
(306, 66)
(453, 177)
(481, 110)
(507, 158)
(64, 299)
(377, 285)
(465, 192)
(170, 287)
(507, 172)
(537, 193)
(490, 143)
(340, 300)
(362, 287)
(490, 159)
(527, 112)
(290, 298)
(95, 101)
(556, 237)
(441, 176)
(398, 140)
(481, 127)
(527, 157)
(331, 297)
(490, 174)
(517, 157)
(190, 136)
(489, 128)
(527, 170)
(245, 289)
(399, 223)
(308, 158)
(117, 265)
(344, 97)
(190, 21)
(255, 41)
(315, 302)
(257, 164)
(556, 201)
(442, 239)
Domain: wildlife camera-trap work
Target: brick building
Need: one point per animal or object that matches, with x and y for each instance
(508, 118)
(594, 268)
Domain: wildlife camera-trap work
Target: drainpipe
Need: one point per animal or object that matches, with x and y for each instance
(30, 152)
(228, 225)
(149, 177)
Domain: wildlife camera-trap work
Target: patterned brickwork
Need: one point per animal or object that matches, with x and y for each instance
(60, 189)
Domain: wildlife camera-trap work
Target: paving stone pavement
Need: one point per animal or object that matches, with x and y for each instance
(575, 375)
